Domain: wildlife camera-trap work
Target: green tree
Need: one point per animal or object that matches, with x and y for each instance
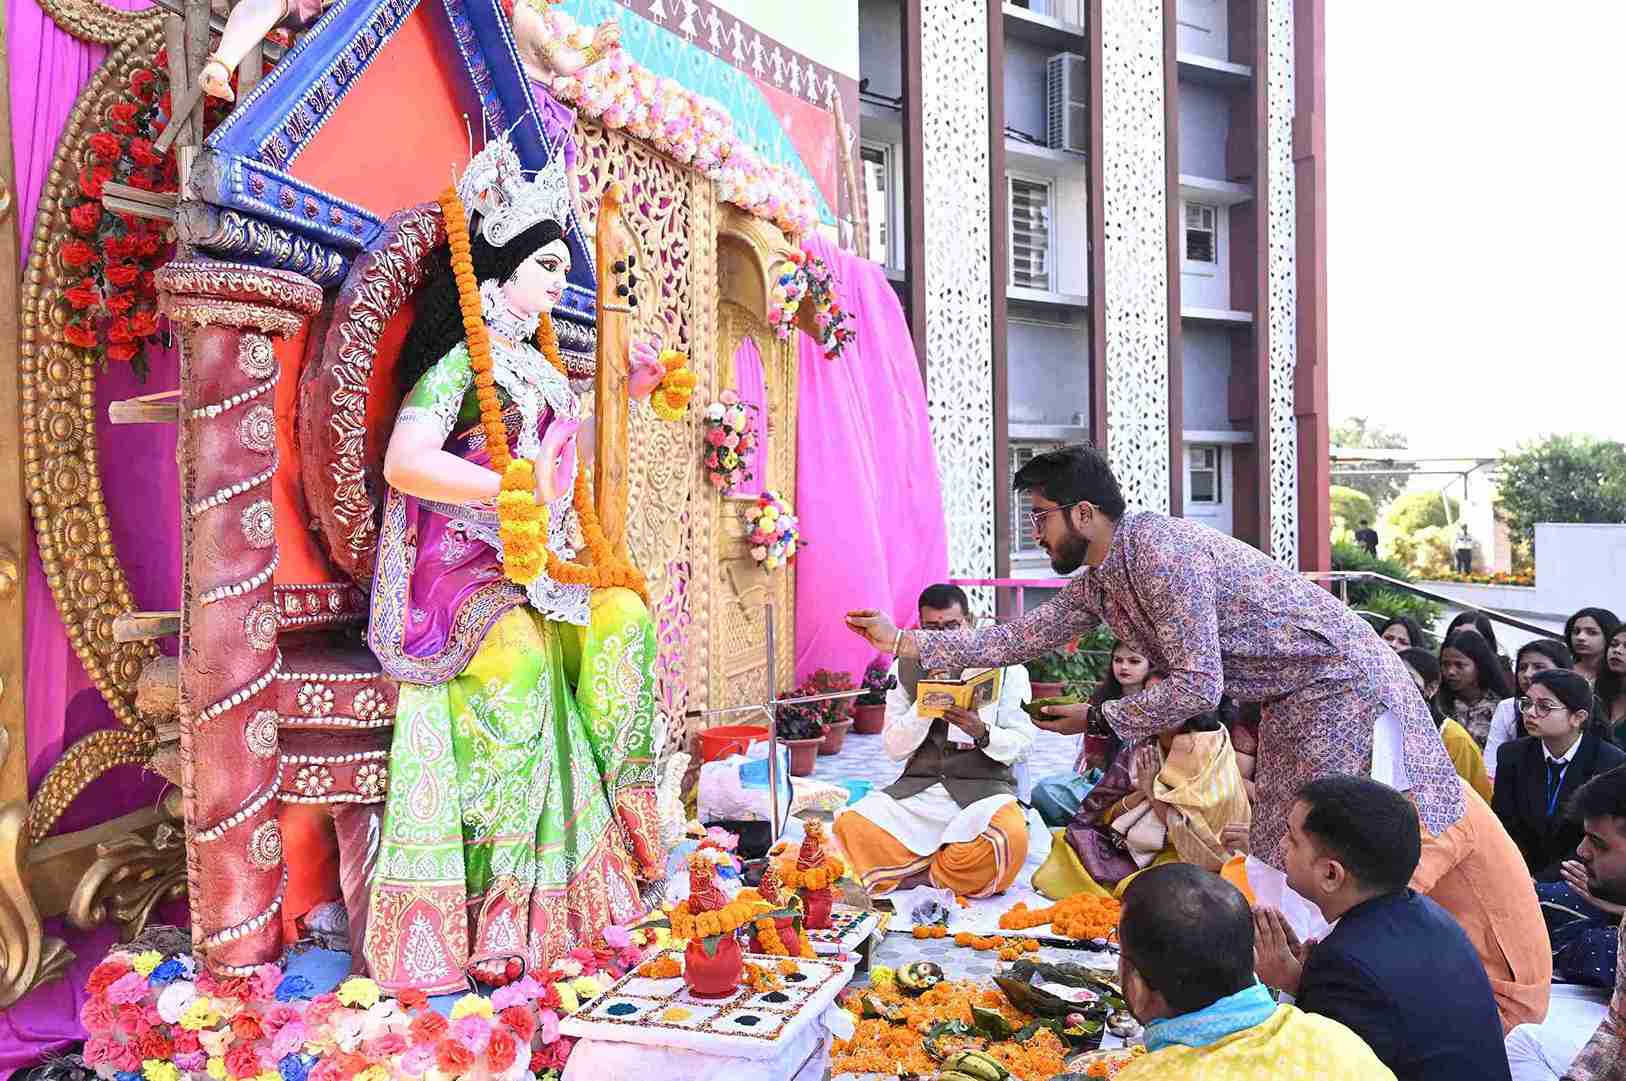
(1416, 511)
(1350, 504)
(1363, 433)
(1563, 478)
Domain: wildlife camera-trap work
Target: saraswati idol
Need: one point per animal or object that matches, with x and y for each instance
(520, 820)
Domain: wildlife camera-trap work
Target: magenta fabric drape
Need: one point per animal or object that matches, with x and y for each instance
(48, 69)
(752, 388)
(867, 488)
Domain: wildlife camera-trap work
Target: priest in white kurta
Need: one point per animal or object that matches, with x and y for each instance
(953, 818)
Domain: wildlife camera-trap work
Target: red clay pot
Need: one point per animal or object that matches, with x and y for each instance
(718, 975)
(816, 908)
(804, 754)
(869, 720)
(786, 926)
(835, 734)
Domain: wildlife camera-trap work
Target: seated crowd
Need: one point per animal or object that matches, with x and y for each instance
(1429, 950)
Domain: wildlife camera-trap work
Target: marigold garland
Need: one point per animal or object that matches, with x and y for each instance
(761, 979)
(671, 398)
(1078, 917)
(726, 920)
(890, 1048)
(821, 877)
(521, 521)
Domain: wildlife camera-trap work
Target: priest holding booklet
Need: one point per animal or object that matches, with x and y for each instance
(953, 819)
(1217, 616)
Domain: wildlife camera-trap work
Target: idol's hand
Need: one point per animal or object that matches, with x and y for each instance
(644, 370)
(556, 465)
(215, 80)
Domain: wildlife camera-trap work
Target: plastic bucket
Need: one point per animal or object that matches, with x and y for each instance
(727, 739)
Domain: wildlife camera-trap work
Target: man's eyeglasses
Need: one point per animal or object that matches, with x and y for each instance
(1540, 707)
(1037, 517)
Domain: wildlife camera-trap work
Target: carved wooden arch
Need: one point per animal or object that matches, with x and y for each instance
(751, 254)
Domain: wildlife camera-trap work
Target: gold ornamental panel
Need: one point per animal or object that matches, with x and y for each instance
(61, 466)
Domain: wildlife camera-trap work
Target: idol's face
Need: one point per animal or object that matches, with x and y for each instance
(539, 282)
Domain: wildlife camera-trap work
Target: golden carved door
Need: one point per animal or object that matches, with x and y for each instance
(739, 630)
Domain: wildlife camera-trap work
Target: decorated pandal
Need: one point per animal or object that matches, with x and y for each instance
(458, 559)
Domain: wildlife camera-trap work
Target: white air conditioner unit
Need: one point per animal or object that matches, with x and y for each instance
(1067, 99)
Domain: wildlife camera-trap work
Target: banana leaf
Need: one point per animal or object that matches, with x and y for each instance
(1020, 984)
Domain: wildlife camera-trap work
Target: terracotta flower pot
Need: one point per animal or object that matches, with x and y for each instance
(1048, 690)
(715, 976)
(816, 910)
(835, 734)
(869, 720)
(804, 753)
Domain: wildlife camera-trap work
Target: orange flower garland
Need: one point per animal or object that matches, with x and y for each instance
(522, 523)
(1078, 917)
(761, 979)
(671, 398)
(821, 877)
(726, 920)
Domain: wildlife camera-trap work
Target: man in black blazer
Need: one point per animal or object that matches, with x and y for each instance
(1396, 968)
(1537, 775)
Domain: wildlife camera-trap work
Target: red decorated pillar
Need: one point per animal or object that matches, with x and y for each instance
(229, 656)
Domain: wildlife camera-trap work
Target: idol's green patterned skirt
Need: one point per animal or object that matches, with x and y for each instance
(521, 807)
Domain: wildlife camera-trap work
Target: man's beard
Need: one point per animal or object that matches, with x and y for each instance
(1067, 556)
(1612, 891)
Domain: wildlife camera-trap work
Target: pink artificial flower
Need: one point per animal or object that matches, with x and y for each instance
(190, 1061)
(714, 436)
(386, 1046)
(472, 1032)
(126, 1057)
(265, 980)
(128, 988)
(629, 957)
(548, 1025)
(716, 479)
(731, 441)
(419, 1059)
(617, 937)
(289, 1038)
(321, 1008)
(327, 1069)
(736, 478)
(98, 1018)
(278, 1017)
(509, 995)
(99, 1050)
(729, 397)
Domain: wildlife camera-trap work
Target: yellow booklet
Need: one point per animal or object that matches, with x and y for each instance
(971, 689)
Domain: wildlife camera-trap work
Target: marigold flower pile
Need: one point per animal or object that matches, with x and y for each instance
(1077, 917)
(887, 1047)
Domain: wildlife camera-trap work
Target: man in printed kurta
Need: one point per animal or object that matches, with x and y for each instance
(1217, 616)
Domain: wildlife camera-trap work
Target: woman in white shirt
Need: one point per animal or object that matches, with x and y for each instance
(1506, 725)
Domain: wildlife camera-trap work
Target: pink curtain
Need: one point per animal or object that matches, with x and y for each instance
(867, 490)
(140, 485)
(752, 388)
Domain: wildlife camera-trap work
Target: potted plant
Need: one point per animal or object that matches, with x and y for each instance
(1073, 668)
(836, 711)
(801, 728)
(869, 708)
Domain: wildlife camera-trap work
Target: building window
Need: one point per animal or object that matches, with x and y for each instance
(1203, 483)
(1202, 233)
(1022, 502)
(880, 191)
(1031, 257)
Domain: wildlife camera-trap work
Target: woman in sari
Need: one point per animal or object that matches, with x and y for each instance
(1165, 800)
(520, 816)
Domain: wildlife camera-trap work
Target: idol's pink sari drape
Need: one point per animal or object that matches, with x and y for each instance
(867, 489)
(48, 69)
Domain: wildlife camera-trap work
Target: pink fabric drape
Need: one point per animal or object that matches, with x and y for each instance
(48, 69)
(867, 488)
(752, 388)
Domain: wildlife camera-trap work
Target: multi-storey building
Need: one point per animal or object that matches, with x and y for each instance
(1106, 219)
